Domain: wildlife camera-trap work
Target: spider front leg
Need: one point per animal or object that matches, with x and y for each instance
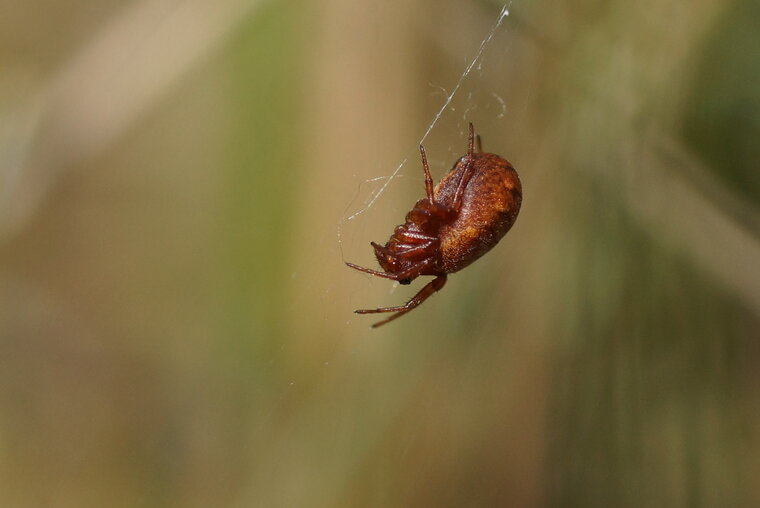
(370, 271)
(411, 272)
(423, 294)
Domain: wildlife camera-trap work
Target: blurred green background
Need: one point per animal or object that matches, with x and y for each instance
(181, 182)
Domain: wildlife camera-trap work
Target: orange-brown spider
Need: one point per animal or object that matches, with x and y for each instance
(461, 219)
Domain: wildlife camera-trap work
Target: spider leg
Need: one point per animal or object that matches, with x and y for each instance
(423, 294)
(414, 270)
(411, 271)
(409, 248)
(412, 237)
(372, 272)
(428, 178)
(472, 141)
(468, 171)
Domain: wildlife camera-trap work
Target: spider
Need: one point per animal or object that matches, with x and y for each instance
(458, 221)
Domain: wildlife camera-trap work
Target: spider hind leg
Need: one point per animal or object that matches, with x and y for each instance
(423, 294)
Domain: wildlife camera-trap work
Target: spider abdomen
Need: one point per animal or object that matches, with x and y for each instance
(490, 204)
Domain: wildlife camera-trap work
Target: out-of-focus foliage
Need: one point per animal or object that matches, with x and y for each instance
(180, 183)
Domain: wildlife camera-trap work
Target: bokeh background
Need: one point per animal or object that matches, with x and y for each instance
(182, 180)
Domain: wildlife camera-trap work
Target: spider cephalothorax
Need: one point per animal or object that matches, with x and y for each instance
(458, 221)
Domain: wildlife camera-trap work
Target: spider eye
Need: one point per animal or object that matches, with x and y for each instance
(405, 281)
